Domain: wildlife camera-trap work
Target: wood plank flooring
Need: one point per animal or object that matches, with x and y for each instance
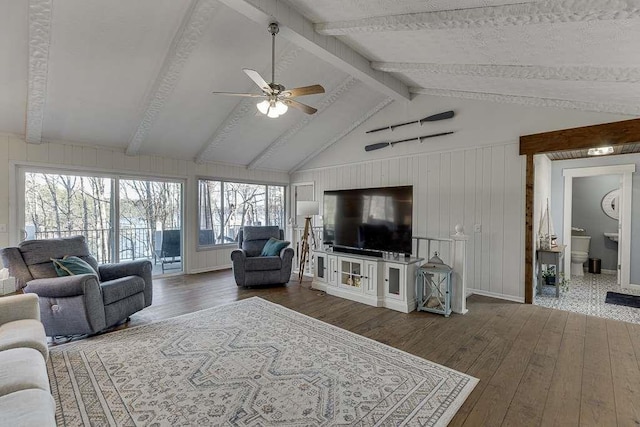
(537, 366)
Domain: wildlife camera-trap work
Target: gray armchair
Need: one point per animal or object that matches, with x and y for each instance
(251, 269)
(84, 303)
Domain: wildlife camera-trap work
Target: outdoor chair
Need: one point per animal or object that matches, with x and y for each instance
(169, 248)
(82, 303)
(251, 269)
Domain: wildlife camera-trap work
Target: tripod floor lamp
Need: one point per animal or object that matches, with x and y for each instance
(306, 209)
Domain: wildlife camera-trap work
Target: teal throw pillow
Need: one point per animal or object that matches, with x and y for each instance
(71, 266)
(273, 247)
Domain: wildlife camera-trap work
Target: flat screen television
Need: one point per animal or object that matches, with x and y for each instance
(376, 219)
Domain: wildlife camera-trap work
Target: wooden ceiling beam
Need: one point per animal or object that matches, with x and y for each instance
(300, 31)
(616, 133)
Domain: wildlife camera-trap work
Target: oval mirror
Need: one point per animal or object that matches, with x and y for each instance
(610, 204)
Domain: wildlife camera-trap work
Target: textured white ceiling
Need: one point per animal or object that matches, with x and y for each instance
(139, 75)
(604, 43)
(340, 10)
(100, 63)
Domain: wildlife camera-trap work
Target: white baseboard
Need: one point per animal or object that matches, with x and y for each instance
(495, 295)
(208, 269)
(605, 271)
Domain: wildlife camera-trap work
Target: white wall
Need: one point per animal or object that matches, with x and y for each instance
(482, 186)
(14, 151)
(472, 177)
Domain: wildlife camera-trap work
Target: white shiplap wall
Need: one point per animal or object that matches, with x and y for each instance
(482, 186)
(14, 151)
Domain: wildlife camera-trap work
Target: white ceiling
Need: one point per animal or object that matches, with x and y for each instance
(139, 75)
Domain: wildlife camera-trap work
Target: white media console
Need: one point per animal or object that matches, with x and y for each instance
(380, 282)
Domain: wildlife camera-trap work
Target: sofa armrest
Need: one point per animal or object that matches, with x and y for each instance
(238, 256)
(140, 268)
(287, 254)
(62, 287)
(19, 307)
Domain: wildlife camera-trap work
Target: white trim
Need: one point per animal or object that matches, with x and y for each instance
(471, 291)
(599, 170)
(626, 172)
(607, 271)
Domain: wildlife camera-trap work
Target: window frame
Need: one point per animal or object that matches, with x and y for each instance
(20, 169)
(222, 182)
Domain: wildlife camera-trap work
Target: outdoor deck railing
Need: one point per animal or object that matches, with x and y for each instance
(135, 243)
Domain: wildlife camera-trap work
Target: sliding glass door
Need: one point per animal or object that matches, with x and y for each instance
(121, 218)
(150, 223)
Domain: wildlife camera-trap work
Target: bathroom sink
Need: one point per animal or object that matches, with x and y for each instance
(612, 236)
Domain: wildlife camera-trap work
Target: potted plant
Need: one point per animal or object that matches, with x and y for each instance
(549, 275)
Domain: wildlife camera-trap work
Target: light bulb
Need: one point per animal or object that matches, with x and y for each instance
(273, 113)
(263, 106)
(281, 108)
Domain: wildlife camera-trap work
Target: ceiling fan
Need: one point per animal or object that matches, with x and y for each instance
(278, 99)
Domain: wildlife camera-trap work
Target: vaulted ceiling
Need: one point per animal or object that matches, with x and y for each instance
(139, 74)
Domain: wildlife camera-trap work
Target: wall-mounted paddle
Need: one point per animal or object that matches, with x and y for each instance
(379, 145)
(434, 118)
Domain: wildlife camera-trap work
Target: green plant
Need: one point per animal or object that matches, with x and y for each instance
(563, 283)
(549, 276)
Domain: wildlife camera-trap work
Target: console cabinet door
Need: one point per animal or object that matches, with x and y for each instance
(321, 267)
(394, 281)
(370, 278)
(350, 274)
(332, 272)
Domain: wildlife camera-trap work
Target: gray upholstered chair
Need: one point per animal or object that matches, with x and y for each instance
(251, 269)
(84, 303)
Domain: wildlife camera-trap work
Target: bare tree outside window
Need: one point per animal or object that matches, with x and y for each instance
(224, 207)
(61, 205)
(67, 205)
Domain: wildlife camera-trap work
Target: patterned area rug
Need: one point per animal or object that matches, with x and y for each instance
(250, 363)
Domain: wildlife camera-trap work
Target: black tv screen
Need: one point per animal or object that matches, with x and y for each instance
(378, 219)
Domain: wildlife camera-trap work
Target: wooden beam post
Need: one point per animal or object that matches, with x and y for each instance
(528, 232)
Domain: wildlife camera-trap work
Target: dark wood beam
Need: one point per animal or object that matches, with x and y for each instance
(617, 133)
(528, 232)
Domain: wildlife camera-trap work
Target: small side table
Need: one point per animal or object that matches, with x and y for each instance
(434, 284)
(554, 257)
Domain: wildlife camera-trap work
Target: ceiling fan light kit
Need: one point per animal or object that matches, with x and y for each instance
(278, 98)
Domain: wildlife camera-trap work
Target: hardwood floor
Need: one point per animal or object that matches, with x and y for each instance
(537, 366)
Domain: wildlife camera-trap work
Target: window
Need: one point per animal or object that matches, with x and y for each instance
(224, 207)
(127, 224)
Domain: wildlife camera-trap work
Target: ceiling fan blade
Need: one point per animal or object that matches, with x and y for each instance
(300, 106)
(257, 78)
(247, 95)
(302, 91)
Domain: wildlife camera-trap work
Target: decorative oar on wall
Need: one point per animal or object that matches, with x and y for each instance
(434, 118)
(380, 145)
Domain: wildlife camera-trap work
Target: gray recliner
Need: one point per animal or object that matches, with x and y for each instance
(84, 303)
(251, 269)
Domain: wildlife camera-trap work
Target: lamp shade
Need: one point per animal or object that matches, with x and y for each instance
(308, 209)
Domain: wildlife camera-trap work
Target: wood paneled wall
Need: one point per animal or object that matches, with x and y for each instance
(481, 186)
